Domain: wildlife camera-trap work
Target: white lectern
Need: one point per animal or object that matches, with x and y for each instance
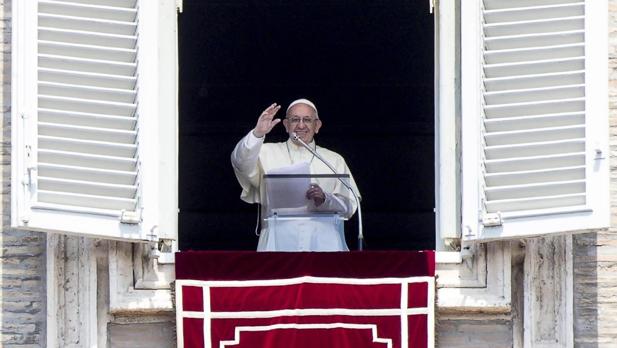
(295, 223)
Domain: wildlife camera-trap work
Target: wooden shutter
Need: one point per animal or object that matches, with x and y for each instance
(83, 127)
(539, 117)
(87, 104)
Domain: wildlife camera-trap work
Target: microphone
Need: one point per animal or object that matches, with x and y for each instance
(295, 137)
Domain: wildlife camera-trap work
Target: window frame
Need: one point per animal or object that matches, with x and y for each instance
(469, 277)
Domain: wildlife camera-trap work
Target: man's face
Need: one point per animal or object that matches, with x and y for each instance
(302, 120)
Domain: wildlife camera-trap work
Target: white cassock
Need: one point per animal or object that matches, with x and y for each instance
(252, 158)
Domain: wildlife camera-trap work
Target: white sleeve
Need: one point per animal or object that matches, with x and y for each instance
(245, 162)
(335, 203)
(246, 153)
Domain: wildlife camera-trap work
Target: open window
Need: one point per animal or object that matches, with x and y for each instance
(94, 118)
(369, 67)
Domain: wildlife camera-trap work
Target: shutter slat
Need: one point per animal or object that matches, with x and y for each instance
(536, 26)
(535, 12)
(112, 3)
(536, 203)
(87, 146)
(535, 149)
(87, 65)
(86, 187)
(535, 135)
(88, 174)
(87, 79)
(81, 200)
(521, 4)
(531, 122)
(535, 40)
(535, 190)
(520, 55)
(535, 163)
(534, 94)
(90, 133)
(92, 93)
(89, 24)
(68, 158)
(87, 120)
(87, 38)
(535, 176)
(535, 81)
(534, 67)
(111, 54)
(535, 108)
(87, 11)
(85, 105)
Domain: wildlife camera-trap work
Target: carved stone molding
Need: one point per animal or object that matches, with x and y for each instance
(71, 292)
(149, 273)
(548, 307)
(470, 272)
(482, 284)
(128, 279)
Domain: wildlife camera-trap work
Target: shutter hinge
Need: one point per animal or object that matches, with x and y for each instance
(492, 219)
(431, 5)
(179, 6)
(167, 249)
(30, 167)
(468, 232)
(468, 253)
(131, 217)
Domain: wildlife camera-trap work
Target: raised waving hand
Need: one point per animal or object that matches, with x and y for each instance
(266, 120)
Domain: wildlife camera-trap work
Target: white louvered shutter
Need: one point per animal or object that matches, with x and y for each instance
(535, 120)
(85, 116)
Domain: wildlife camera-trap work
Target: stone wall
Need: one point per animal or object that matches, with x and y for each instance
(475, 331)
(22, 254)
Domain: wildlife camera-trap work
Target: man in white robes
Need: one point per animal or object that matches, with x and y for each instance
(252, 158)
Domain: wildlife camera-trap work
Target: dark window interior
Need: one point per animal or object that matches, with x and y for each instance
(368, 66)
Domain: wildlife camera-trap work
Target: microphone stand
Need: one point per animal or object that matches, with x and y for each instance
(348, 186)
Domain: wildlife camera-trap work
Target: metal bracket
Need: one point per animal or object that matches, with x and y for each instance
(179, 6)
(492, 219)
(468, 232)
(30, 167)
(131, 217)
(468, 251)
(165, 245)
(168, 249)
(154, 252)
(163, 251)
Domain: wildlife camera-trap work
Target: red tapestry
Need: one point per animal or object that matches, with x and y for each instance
(357, 299)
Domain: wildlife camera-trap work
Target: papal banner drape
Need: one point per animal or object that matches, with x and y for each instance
(356, 299)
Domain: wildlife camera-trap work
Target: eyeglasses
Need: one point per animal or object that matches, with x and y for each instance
(306, 120)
